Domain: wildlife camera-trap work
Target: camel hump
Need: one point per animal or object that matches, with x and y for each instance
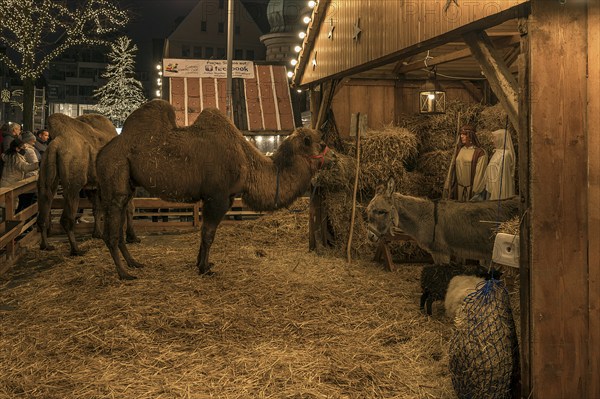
(154, 116)
(215, 120)
(61, 125)
(100, 123)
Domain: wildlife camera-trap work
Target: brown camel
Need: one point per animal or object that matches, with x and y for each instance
(209, 161)
(70, 159)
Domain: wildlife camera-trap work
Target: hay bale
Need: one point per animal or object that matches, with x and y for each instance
(484, 321)
(339, 175)
(383, 154)
(511, 226)
(438, 132)
(418, 184)
(493, 118)
(338, 206)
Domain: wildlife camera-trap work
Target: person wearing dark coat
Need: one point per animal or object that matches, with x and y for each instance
(41, 141)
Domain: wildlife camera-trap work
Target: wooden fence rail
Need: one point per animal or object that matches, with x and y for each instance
(17, 230)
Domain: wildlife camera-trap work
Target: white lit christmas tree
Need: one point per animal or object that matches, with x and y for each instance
(122, 93)
(35, 32)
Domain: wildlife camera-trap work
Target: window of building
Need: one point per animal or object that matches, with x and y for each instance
(209, 52)
(71, 90)
(203, 26)
(197, 52)
(221, 27)
(221, 4)
(221, 53)
(250, 55)
(237, 29)
(86, 91)
(239, 54)
(185, 50)
(87, 73)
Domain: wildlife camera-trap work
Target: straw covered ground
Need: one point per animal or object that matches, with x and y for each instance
(276, 321)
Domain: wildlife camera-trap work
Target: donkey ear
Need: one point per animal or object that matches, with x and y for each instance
(395, 217)
(391, 187)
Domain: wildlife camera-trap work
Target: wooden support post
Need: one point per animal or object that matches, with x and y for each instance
(525, 232)
(593, 134)
(561, 353)
(503, 83)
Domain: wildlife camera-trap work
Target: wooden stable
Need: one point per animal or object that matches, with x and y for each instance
(541, 59)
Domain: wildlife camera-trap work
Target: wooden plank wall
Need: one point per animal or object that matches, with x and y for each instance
(593, 127)
(560, 294)
(384, 102)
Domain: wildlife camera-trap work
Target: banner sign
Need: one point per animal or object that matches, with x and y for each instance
(186, 68)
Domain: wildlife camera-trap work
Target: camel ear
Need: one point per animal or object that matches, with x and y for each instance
(391, 187)
(380, 189)
(307, 141)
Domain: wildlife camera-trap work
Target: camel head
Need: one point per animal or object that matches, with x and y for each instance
(381, 213)
(307, 143)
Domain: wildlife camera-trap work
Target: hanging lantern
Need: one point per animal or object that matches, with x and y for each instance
(432, 100)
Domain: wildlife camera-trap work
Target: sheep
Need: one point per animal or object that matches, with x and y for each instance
(458, 289)
(435, 280)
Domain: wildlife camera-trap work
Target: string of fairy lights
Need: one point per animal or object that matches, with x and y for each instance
(303, 35)
(29, 26)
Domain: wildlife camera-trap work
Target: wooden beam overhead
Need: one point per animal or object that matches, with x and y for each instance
(502, 82)
(453, 56)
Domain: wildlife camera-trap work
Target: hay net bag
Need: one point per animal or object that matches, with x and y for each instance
(483, 352)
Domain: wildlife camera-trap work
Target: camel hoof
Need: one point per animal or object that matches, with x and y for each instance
(133, 240)
(137, 265)
(47, 248)
(205, 271)
(77, 252)
(127, 277)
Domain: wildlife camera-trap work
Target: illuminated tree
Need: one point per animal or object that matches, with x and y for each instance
(122, 93)
(35, 32)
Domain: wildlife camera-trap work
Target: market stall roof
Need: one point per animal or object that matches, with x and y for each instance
(411, 44)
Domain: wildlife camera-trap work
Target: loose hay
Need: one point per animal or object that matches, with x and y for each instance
(276, 321)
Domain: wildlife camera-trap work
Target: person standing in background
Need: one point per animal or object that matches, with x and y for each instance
(41, 143)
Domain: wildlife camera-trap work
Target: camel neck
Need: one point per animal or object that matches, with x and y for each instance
(272, 186)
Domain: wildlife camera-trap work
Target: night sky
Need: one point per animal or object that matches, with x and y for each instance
(153, 19)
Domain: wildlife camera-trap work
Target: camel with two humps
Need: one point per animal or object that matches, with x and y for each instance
(209, 160)
(69, 160)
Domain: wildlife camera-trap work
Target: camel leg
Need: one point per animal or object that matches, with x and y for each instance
(131, 237)
(213, 211)
(45, 198)
(96, 211)
(67, 219)
(114, 218)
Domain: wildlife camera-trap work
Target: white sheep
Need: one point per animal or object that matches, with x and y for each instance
(458, 289)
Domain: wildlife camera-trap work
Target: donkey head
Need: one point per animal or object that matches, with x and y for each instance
(381, 214)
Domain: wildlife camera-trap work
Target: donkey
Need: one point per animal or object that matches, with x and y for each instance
(443, 228)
